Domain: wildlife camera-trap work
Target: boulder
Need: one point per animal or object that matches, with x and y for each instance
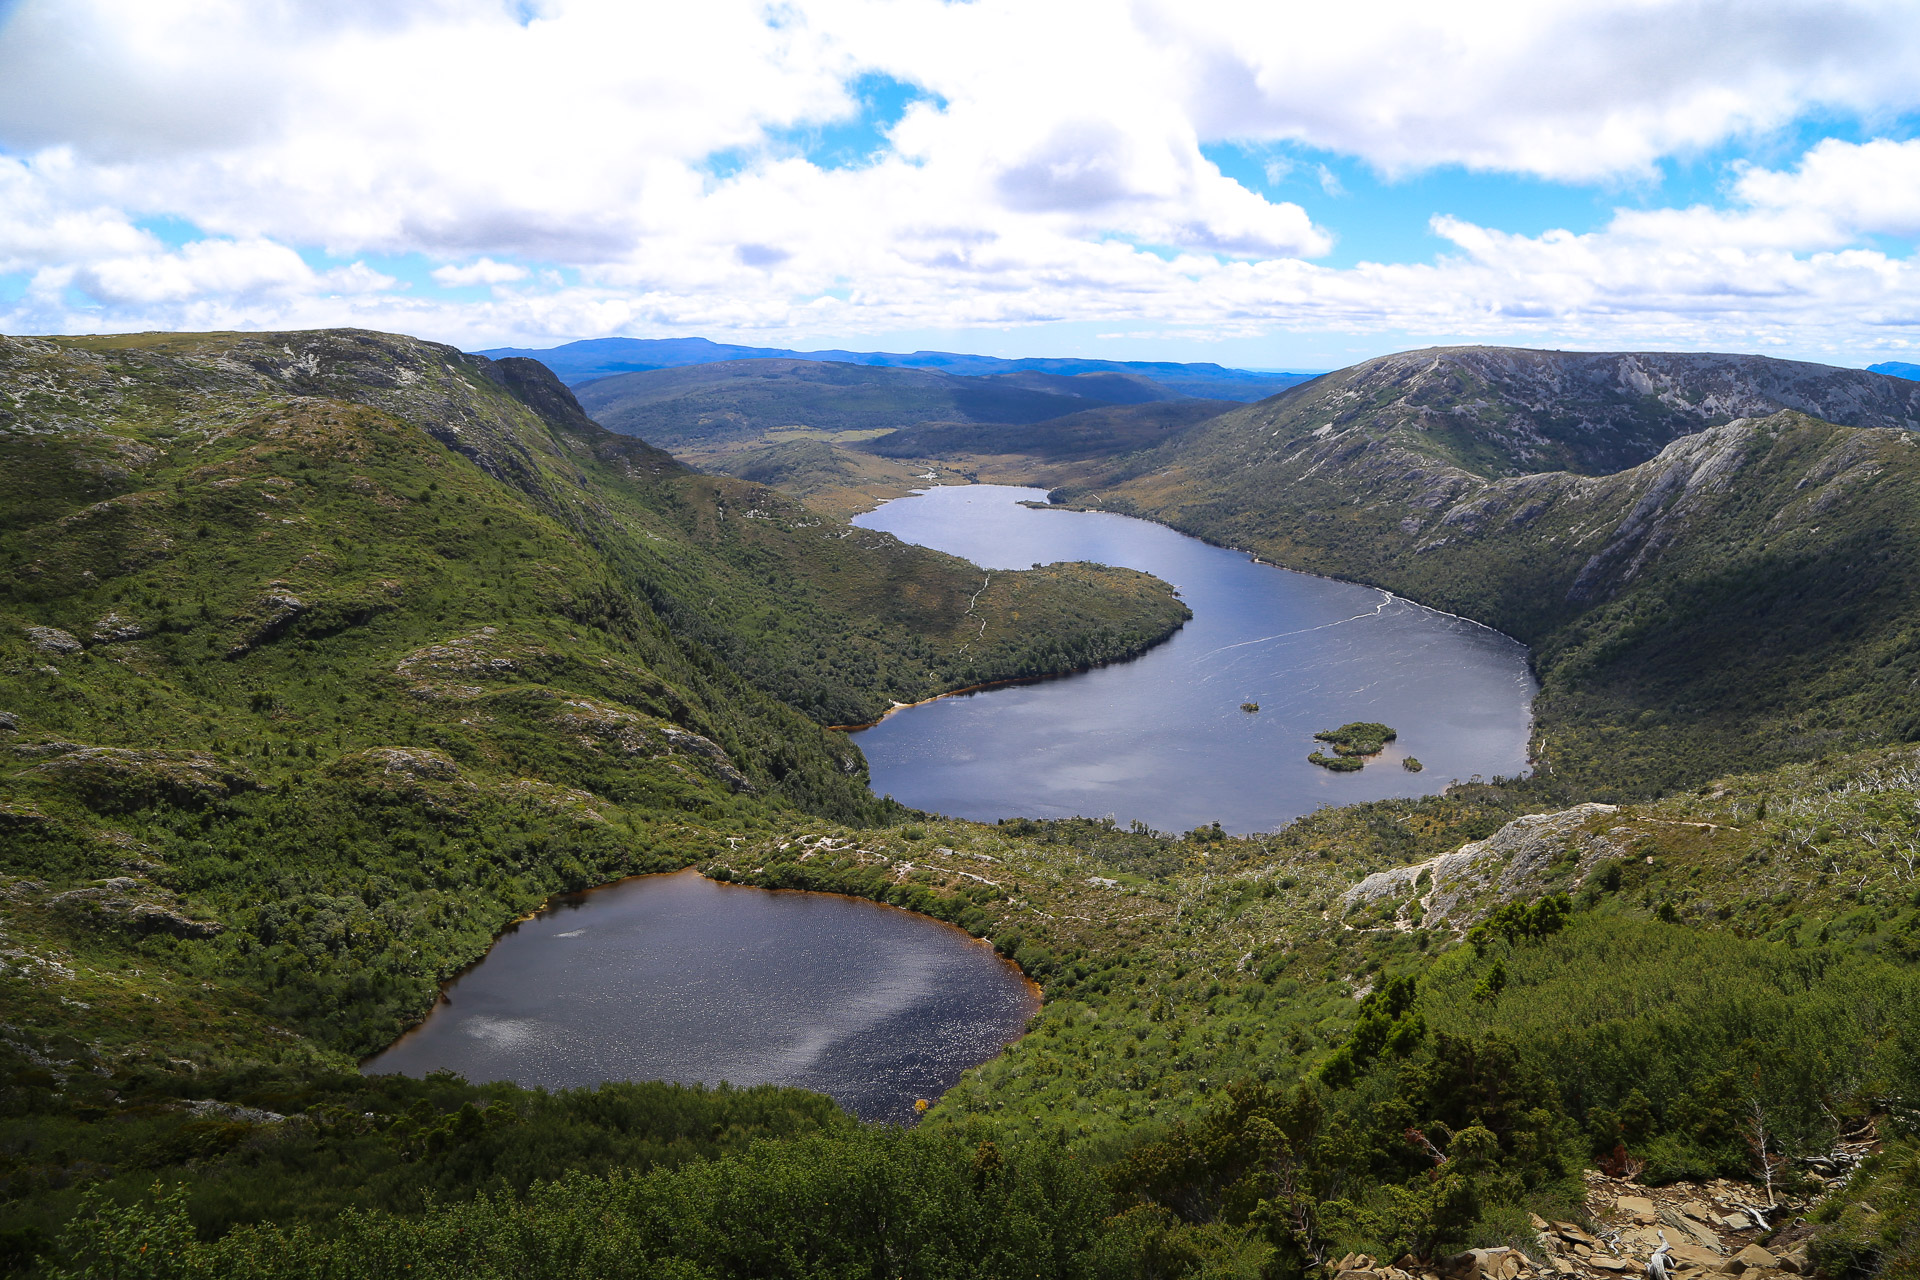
(115, 628)
(1753, 1258)
(53, 640)
(1693, 1255)
(1639, 1208)
(1699, 1232)
(133, 904)
(1498, 1264)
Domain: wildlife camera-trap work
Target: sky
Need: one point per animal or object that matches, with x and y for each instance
(1270, 184)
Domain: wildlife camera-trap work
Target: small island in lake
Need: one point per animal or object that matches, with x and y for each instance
(1249, 707)
(1352, 744)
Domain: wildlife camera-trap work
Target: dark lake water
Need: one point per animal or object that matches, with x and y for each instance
(1162, 739)
(676, 977)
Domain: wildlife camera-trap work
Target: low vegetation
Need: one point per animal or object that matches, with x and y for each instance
(1352, 744)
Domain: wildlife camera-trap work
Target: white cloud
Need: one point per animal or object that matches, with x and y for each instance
(1576, 89)
(483, 271)
(43, 224)
(244, 269)
(1061, 176)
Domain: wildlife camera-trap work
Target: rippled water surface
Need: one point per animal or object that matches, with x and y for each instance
(676, 977)
(1162, 739)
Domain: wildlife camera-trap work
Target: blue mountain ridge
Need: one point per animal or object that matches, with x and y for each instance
(585, 361)
(1894, 369)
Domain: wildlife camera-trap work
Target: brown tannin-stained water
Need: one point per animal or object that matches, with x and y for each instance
(1162, 739)
(677, 977)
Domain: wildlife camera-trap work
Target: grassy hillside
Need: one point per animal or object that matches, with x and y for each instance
(832, 479)
(326, 654)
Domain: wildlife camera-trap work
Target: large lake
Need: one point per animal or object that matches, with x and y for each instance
(1162, 739)
(676, 977)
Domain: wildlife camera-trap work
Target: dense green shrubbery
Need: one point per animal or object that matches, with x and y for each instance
(860, 1202)
(387, 1143)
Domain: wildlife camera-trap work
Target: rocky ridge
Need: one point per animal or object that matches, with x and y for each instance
(1717, 1228)
(1455, 890)
(1496, 411)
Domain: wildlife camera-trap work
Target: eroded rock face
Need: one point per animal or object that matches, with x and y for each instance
(133, 904)
(716, 759)
(53, 640)
(414, 762)
(407, 767)
(484, 654)
(119, 778)
(116, 628)
(211, 1109)
(1457, 888)
(277, 610)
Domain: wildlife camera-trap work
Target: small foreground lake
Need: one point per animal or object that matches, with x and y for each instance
(1162, 739)
(677, 977)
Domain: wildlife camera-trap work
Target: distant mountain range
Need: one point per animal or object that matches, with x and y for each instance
(1894, 369)
(575, 363)
(733, 403)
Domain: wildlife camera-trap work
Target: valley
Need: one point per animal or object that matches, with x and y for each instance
(328, 655)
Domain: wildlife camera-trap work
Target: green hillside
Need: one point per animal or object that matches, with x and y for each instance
(327, 654)
(324, 656)
(1238, 1037)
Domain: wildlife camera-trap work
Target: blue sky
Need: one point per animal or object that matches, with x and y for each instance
(1267, 185)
